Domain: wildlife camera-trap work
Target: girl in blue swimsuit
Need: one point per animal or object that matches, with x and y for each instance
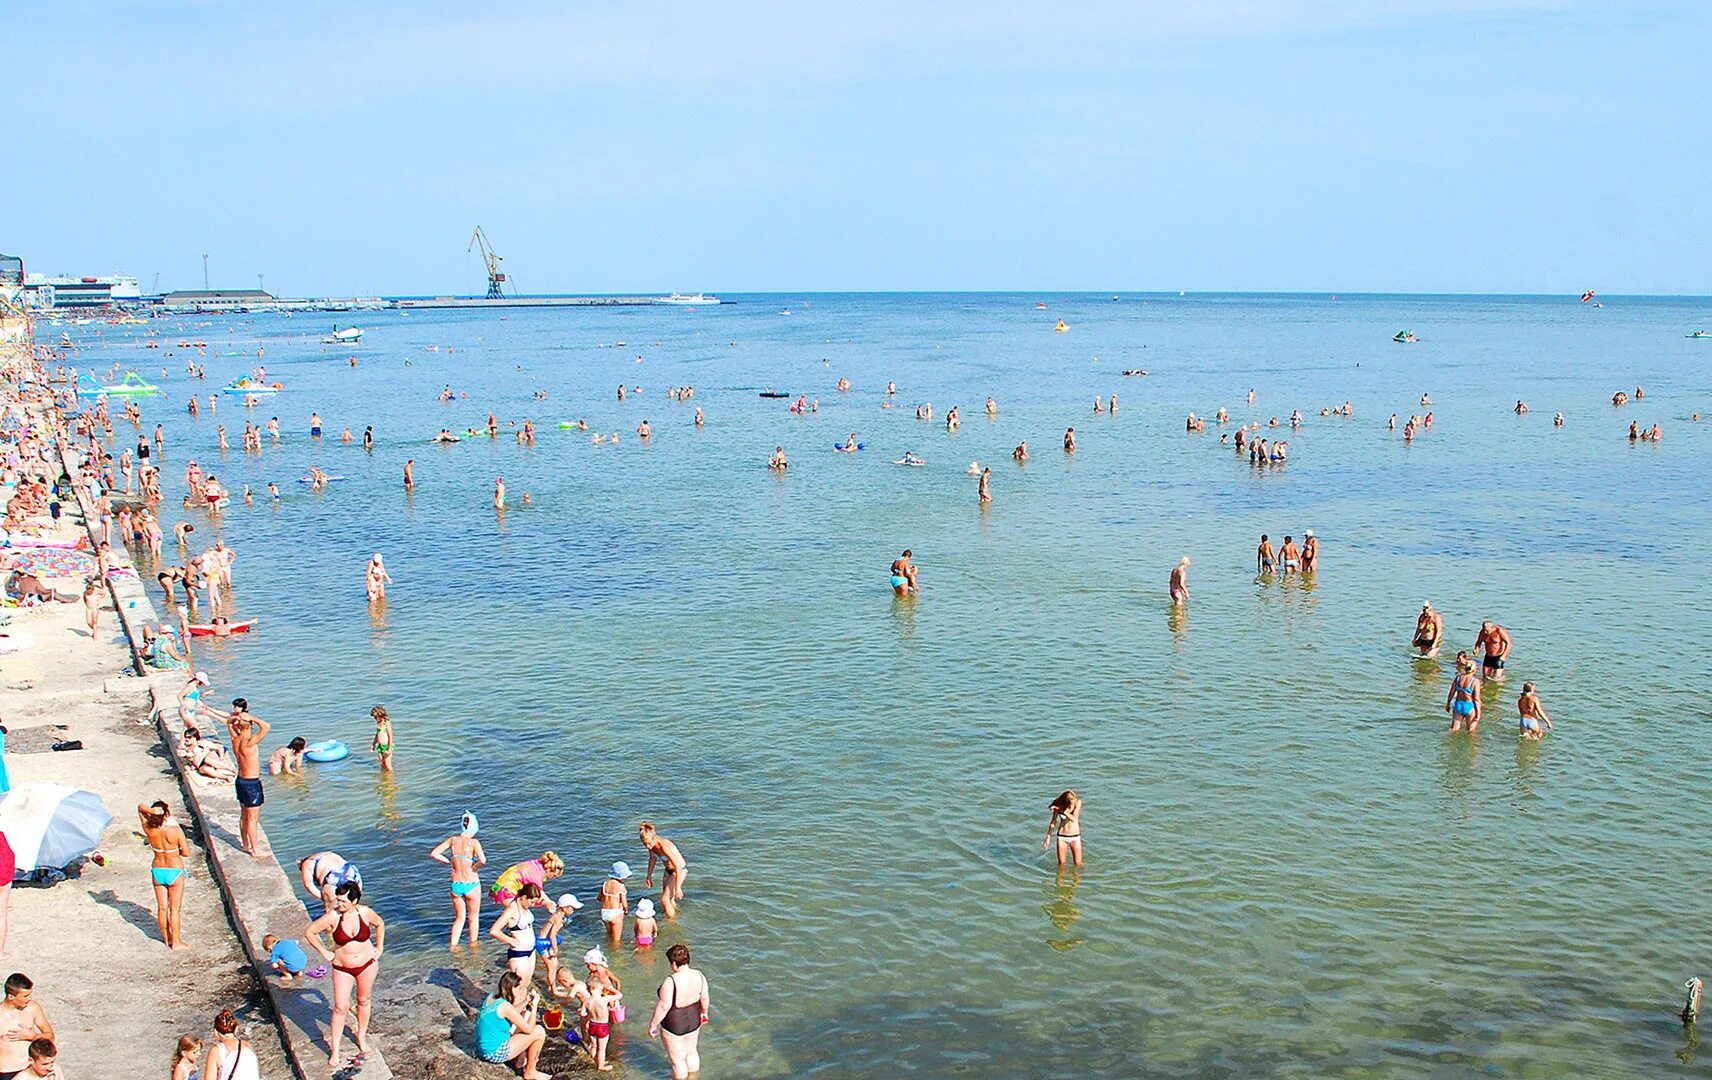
(1463, 701)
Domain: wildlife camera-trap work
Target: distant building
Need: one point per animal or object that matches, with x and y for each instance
(215, 299)
(11, 270)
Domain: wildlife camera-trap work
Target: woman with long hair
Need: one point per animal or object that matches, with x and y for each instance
(166, 839)
(1065, 824)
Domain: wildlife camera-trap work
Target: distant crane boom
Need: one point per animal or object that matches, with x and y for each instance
(495, 276)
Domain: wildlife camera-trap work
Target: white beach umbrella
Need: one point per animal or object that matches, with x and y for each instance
(49, 825)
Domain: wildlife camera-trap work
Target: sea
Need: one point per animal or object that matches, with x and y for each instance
(1293, 868)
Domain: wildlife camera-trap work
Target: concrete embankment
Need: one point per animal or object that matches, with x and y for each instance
(258, 898)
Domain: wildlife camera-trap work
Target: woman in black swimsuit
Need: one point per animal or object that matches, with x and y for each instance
(359, 937)
(680, 1012)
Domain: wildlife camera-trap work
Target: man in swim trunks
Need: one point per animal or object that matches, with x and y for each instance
(1290, 556)
(247, 733)
(903, 575)
(1496, 641)
(1265, 558)
(1429, 630)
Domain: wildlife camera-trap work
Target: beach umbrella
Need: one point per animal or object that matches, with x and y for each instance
(50, 825)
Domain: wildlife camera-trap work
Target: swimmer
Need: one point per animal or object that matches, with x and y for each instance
(984, 491)
(315, 425)
(910, 458)
(904, 575)
(1069, 440)
(1463, 700)
(410, 475)
(776, 460)
(1251, 395)
(1179, 584)
(992, 407)
(1290, 556)
(273, 490)
(1521, 407)
(1265, 558)
(1532, 714)
(499, 493)
(1064, 824)
(345, 436)
(673, 867)
(698, 416)
(1020, 454)
(1496, 641)
(1310, 553)
(1429, 630)
(1557, 421)
(643, 430)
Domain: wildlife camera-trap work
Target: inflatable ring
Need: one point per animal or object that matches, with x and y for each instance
(331, 750)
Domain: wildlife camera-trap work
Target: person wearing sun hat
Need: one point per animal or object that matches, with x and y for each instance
(547, 940)
(614, 901)
(1310, 552)
(1429, 630)
(646, 926)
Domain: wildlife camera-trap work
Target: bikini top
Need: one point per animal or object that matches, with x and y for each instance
(342, 938)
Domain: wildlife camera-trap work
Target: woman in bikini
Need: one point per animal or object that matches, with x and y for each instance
(1463, 700)
(680, 1012)
(359, 937)
(671, 859)
(464, 854)
(167, 841)
(516, 927)
(1065, 825)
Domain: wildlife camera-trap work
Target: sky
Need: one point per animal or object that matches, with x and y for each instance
(1535, 146)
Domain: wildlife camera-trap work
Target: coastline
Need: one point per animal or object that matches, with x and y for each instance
(57, 687)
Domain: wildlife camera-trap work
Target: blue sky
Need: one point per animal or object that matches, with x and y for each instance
(1343, 145)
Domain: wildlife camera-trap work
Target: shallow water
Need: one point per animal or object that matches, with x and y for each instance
(1293, 869)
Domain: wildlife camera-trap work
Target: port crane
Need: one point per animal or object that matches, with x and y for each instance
(495, 276)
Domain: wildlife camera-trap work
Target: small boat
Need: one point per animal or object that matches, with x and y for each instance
(350, 335)
(1701, 334)
(773, 394)
(1405, 337)
(133, 386)
(1135, 371)
(787, 311)
(210, 630)
(247, 385)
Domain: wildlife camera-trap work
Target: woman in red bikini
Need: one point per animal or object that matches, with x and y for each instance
(359, 937)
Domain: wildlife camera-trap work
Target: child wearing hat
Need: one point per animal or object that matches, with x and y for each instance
(547, 941)
(615, 901)
(646, 925)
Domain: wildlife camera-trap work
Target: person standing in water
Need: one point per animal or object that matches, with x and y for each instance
(464, 854)
(984, 491)
(1069, 440)
(1290, 556)
(410, 475)
(1265, 558)
(1179, 585)
(1429, 630)
(1463, 700)
(382, 737)
(499, 493)
(1496, 641)
(376, 578)
(1065, 825)
(673, 866)
(680, 1010)
(1532, 714)
(903, 575)
(615, 901)
(1310, 553)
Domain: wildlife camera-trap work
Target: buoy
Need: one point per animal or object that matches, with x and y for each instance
(330, 750)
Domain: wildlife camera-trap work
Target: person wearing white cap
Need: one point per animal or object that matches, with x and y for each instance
(646, 926)
(547, 941)
(376, 578)
(614, 901)
(1429, 630)
(1310, 552)
(190, 705)
(464, 854)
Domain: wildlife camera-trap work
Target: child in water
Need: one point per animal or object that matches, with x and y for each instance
(382, 737)
(1532, 713)
(646, 925)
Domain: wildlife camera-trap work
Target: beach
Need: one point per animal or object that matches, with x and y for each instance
(1291, 863)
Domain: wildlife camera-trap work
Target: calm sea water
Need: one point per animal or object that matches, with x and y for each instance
(1292, 868)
